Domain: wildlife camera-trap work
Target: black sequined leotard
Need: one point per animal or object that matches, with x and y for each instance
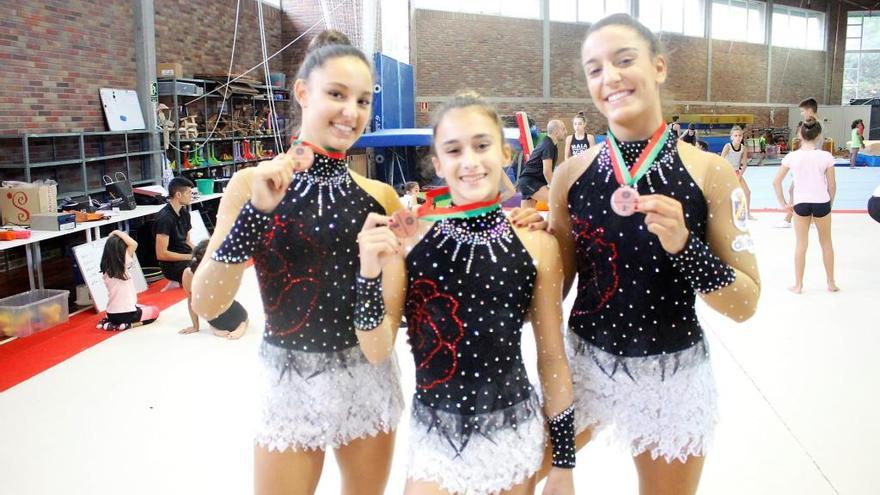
(631, 300)
(470, 285)
(308, 259)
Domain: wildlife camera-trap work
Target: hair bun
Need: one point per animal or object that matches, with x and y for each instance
(581, 114)
(326, 38)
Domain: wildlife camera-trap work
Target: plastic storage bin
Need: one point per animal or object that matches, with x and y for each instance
(24, 314)
(205, 186)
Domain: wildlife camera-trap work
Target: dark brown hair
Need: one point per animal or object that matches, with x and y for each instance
(628, 21)
(465, 99)
(179, 185)
(582, 116)
(809, 103)
(113, 258)
(409, 186)
(198, 254)
(326, 46)
(810, 129)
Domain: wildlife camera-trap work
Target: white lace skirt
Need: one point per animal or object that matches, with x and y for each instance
(663, 404)
(500, 449)
(316, 401)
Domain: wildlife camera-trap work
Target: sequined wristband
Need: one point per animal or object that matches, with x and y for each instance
(562, 439)
(369, 308)
(246, 233)
(704, 271)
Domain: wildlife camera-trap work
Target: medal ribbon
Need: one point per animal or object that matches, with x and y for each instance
(438, 206)
(319, 150)
(626, 176)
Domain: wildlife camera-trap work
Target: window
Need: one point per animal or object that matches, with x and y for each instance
(273, 3)
(674, 16)
(586, 10)
(528, 9)
(798, 28)
(861, 63)
(738, 20)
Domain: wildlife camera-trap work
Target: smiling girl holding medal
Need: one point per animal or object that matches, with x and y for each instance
(298, 216)
(647, 222)
(468, 280)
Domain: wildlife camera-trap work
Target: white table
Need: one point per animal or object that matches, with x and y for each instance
(92, 230)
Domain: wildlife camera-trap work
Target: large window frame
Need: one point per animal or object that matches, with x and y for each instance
(857, 52)
(587, 11)
(521, 9)
(683, 17)
(723, 24)
(812, 34)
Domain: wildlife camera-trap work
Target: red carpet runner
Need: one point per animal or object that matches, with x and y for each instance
(23, 358)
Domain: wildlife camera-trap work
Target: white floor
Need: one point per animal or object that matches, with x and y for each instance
(153, 412)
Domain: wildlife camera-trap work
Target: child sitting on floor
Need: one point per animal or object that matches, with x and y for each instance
(123, 311)
(232, 323)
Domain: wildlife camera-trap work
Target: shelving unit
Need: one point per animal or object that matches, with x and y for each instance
(75, 148)
(206, 104)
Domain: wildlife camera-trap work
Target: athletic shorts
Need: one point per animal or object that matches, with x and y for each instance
(817, 210)
(234, 316)
(527, 185)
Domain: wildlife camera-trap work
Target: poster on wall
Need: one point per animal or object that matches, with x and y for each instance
(122, 109)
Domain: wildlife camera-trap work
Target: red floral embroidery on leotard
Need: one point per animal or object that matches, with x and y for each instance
(282, 287)
(597, 278)
(434, 331)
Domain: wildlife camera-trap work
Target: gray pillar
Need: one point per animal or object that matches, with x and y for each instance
(145, 57)
(545, 16)
(768, 38)
(829, 49)
(708, 28)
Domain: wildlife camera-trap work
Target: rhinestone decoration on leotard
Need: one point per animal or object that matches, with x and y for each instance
(307, 261)
(636, 302)
(484, 230)
(245, 235)
(464, 327)
(323, 175)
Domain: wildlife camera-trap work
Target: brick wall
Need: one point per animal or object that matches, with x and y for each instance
(502, 57)
(55, 56)
(490, 55)
(198, 34)
(687, 63)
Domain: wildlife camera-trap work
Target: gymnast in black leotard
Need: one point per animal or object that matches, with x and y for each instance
(647, 222)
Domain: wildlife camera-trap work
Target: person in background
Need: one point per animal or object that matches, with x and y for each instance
(580, 141)
(173, 224)
(814, 190)
(674, 127)
(410, 198)
(736, 153)
(232, 323)
(857, 141)
(809, 109)
(690, 135)
(123, 311)
(537, 175)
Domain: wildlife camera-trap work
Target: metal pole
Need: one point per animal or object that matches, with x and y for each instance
(147, 88)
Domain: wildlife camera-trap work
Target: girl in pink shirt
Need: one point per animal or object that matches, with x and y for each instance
(123, 311)
(814, 189)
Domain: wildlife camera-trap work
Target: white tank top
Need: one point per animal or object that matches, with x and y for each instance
(735, 157)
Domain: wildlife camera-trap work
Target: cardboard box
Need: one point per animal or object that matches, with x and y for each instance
(181, 88)
(169, 70)
(53, 221)
(19, 204)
